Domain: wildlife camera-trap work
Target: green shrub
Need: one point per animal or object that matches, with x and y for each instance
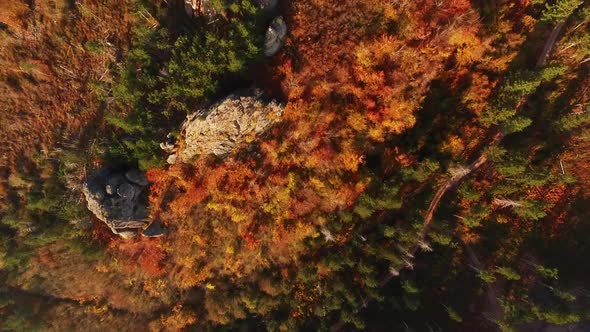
(560, 10)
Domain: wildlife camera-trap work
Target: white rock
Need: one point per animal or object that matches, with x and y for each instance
(229, 123)
(172, 159)
(127, 235)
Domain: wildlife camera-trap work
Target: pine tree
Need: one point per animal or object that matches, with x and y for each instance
(560, 10)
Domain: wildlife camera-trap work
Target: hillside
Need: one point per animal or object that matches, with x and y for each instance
(254, 165)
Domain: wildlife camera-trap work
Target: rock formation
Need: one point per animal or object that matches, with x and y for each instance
(119, 200)
(220, 129)
(275, 36)
(154, 230)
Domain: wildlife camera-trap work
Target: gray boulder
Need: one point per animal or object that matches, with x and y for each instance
(137, 177)
(113, 182)
(117, 201)
(154, 230)
(275, 36)
(127, 190)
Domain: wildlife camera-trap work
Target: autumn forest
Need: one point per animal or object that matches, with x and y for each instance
(294, 165)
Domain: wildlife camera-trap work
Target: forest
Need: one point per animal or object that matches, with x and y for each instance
(355, 165)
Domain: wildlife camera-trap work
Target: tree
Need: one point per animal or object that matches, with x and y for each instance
(508, 273)
(560, 10)
(453, 315)
(516, 124)
(573, 121)
(422, 171)
(531, 210)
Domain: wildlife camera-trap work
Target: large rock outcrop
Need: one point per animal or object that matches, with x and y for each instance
(119, 200)
(219, 130)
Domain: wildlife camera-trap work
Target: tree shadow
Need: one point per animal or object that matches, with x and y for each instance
(546, 114)
(488, 11)
(441, 114)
